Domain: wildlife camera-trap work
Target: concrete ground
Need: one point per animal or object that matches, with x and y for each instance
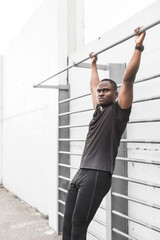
(19, 221)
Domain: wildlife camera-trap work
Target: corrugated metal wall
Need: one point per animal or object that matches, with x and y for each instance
(136, 173)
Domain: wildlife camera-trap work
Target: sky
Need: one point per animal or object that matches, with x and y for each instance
(100, 16)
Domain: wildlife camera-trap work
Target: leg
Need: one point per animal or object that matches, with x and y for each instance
(93, 186)
(69, 208)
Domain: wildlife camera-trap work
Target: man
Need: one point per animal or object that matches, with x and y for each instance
(93, 180)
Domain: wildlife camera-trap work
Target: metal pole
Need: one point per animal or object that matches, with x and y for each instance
(123, 234)
(155, 185)
(101, 51)
(145, 203)
(75, 98)
(119, 85)
(136, 221)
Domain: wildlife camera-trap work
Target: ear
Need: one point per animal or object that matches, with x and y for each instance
(116, 94)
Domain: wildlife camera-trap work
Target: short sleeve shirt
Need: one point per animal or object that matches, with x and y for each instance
(103, 138)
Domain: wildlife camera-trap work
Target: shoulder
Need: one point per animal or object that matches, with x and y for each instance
(116, 105)
(122, 114)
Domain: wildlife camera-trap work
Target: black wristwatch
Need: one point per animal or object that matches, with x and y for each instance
(140, 48)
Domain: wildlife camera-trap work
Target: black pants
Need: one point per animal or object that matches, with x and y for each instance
(85, 193)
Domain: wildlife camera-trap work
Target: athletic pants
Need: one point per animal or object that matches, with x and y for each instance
(85, 193)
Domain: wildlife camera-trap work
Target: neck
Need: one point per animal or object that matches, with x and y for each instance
(102, 108)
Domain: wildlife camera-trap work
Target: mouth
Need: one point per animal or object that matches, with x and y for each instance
(100, 99)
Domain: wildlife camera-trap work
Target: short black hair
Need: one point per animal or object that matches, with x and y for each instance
(113, 83)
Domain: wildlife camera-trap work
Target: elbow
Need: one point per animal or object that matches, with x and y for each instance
(93, 87)
(129, 80)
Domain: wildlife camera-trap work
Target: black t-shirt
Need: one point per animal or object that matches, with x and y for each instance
(103, 138)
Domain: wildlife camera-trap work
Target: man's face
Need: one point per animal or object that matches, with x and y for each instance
(106, 94)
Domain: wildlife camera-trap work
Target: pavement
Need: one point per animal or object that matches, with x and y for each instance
(19, 221)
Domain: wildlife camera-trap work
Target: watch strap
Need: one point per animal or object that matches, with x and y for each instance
(140, 48)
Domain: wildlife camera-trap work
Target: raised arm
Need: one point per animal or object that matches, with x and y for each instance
(94, 80)
(126, 92)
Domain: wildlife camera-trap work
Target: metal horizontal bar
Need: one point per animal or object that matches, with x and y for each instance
(73, 112)
(91, 109)
(135, 101)
(103, 208)
(100, 222)
(143, 79)
(62, 190)
(131, 121)
(122, 140)
(88, 65)
(155, 185)
(123, 234)
(70, 153)
(67, 166)
(147, 79)
(118, 85)
(71, 140)
(125, 38)
(136, 221)
(147, 99)
(64, 178)
(136, 200)
(101, 51)
(95, 235)
(61, 202)
(74, 98)
(140, 141)
(86, 110)
(73, 126)
(54, 75)
(145, 120)
(63, 87)
(154, 162)
(61, 214)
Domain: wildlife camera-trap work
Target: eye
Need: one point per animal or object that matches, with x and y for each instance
(98, 91)
(105, 90)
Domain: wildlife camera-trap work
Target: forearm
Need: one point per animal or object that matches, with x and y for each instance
(133, 67)
(94, 76)
(126, 92)
(134, 63)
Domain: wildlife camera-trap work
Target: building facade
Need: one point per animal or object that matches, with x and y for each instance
(36, 162)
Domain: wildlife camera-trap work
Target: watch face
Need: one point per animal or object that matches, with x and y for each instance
(139, 48)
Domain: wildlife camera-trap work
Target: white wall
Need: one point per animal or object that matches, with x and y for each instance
(1, 173)
(30, 115)
(79, 80)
